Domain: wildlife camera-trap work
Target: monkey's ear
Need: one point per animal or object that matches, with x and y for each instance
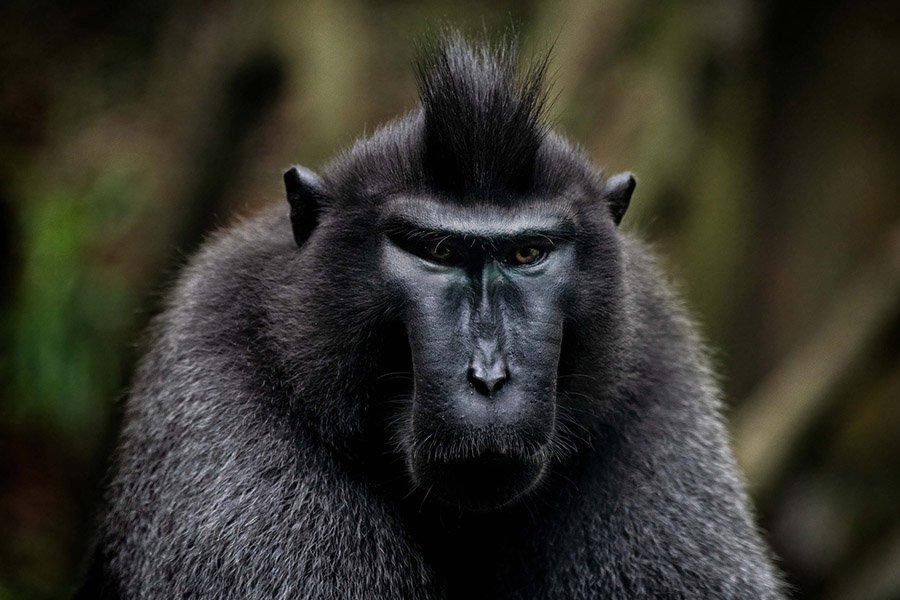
(305, 191)
(617, 192)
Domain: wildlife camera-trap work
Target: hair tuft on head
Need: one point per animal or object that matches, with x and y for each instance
(483, 116)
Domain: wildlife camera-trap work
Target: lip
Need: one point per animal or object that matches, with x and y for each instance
(482, 482)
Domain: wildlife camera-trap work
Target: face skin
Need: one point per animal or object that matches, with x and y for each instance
(483, 290)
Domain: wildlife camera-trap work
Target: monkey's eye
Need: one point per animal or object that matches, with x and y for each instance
(439, 252)
(442, 252)
(439, 249)
(523, 256)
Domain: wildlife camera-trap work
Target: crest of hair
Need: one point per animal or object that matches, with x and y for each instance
(483, 116)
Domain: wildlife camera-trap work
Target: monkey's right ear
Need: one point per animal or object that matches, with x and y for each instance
(617, 192)
(305, 191)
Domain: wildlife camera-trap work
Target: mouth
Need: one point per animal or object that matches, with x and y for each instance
(484, 482)
(462, 451)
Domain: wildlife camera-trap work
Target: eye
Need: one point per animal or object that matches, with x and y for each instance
(523, 256)
(439, 252)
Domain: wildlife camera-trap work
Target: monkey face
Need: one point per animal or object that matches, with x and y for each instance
(483, 291)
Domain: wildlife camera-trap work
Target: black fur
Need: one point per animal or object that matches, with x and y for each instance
(266, 445)
(483, 125)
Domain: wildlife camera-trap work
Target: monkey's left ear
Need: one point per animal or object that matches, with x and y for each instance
(617, 192)
(305, 191)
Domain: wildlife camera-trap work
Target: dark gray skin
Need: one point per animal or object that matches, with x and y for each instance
(448, 375)
(483, 290)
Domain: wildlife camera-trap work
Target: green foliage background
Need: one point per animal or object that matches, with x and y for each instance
(765, 137)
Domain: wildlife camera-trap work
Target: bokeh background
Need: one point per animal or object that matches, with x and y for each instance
(765, 136)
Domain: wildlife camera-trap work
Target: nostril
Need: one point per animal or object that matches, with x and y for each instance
(487, 383)
(478, 383)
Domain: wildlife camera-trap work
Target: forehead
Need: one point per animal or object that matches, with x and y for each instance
(481, 219)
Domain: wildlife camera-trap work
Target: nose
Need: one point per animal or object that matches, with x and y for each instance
(487, 373)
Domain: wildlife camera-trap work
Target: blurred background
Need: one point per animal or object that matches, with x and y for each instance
(765, 136)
